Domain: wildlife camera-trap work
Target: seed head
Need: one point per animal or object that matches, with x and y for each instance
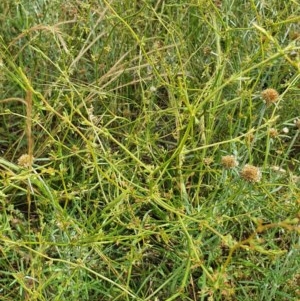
(249, 138)
(269, 96)
(25, 160)
(208, 161)
(250, 173)
(229, 161)
(207, 50)
(273, 133)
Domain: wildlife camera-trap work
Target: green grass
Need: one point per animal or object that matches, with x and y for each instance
(129, 108)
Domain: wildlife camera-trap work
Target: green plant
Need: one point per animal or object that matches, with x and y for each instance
(141, 155)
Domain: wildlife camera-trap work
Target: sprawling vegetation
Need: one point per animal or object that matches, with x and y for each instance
(150, 150)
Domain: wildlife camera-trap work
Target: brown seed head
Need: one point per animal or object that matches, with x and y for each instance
(250, 173)
(269, 96)
(273, 133)
(229, 161)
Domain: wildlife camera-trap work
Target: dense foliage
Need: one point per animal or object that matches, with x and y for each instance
(149, 150)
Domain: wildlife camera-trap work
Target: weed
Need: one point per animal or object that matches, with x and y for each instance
(149, 150)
